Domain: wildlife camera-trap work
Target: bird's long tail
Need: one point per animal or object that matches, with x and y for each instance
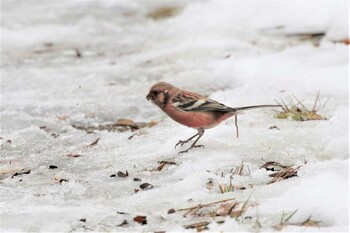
(241, 109)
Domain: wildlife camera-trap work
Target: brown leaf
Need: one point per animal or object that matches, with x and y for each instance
(94, 143)
(122, 174)
(140, 219)
(160, 167)
(274, 127)
(146, 186)
(171, 211)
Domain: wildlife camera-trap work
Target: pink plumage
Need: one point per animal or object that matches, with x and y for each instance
(192, 110)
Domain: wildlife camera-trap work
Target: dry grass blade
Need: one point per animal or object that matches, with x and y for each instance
(317, 98)
(244, 206)
(307, 223)
(70, 155)
(310, 223)
(193, 209)
(298, 111)
(289, 217)
(94, 143)
(199, 226)
(239, 170)
(284, 174)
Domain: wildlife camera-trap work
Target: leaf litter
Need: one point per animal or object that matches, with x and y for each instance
(221, 208)
(120, 125)
(282, 172)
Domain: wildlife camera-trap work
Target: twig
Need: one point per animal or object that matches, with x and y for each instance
(237, 134)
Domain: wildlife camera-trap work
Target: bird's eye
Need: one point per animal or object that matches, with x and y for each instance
(156, 92)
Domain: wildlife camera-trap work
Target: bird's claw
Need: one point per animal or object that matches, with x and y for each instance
(195, 146)
(181, 143)
(182, 152)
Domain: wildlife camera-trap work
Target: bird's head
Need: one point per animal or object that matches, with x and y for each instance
(160, 93)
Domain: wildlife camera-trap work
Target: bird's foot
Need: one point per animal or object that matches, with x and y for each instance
(193, 146)
(181, 143)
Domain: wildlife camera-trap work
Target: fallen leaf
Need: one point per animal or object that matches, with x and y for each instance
(122, 174)
(146, 186)
(274, 127)
(171, 211)
(21, 172)
(141, 219)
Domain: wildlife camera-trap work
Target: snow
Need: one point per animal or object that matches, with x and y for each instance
(237, 52)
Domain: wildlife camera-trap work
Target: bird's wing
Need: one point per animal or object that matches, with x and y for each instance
(187, 101)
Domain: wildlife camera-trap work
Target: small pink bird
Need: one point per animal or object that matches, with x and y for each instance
(193, 110)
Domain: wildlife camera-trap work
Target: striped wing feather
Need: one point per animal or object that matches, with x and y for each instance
(189, 101)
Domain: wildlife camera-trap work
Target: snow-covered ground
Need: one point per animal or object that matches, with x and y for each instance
(237, 52)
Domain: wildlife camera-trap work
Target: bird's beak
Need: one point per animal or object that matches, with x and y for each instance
(148, 97)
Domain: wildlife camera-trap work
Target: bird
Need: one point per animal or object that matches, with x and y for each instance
(192, 110)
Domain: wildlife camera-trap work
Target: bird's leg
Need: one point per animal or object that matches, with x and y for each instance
(200, 134)
(181, 143)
